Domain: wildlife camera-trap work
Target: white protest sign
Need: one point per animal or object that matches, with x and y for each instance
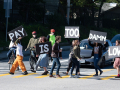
(71, 31)
(114, 51)
(43, 48)
(97, 36)
(16, 33)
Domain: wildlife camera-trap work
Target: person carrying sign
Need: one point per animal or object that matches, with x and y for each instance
(18, 60)
(116, 64)
(34, 40)
(97, 53)
(56, 53)
(43, 58)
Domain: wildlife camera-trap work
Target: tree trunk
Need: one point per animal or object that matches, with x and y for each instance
(99, 12)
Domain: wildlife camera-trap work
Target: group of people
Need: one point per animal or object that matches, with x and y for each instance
(43, 59)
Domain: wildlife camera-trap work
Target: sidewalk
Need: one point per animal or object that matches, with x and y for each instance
(3, 55)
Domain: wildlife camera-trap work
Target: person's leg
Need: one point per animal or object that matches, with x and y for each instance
(9, 54)
(73, 66)
(95, 64)
(38, 62)
(21, 64)
(77, 65)
(58, 65)
(97, 60)
(53, 66)
(69, 65)
(14, 66)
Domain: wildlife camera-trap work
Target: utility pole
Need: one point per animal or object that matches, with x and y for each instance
(68, 10)
(7, 7)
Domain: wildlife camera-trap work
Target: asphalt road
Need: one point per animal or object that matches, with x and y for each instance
(35, 81)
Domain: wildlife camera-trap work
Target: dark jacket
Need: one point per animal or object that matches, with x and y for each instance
(76, 52)
(100, 48)
(55, 51)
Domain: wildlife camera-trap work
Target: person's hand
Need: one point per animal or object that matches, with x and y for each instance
(60, 50)
(104, 42)
(20, 38)
(60, 57)
(37, 55)
(34, 46)
(26, 49)
(88, 39)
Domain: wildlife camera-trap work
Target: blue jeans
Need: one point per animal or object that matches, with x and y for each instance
(10, 52)
(55, 61)
(75, 63)
(96, 60)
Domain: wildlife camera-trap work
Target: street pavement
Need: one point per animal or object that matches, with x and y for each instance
(36, 81)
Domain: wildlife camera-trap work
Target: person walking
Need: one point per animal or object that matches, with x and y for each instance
(97, 53)
(34, 40)
(56, 53)
(71, 52)
(18, 60)
(75, 58)
(43, 58)
(116, 64)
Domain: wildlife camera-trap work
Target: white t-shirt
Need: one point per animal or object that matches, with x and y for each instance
(11, 44)
(19, 50)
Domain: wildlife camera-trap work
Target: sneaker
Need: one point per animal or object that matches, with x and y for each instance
(52, 76)
(25, 73)
(101, 72)
(11, 73)
(33, 71)
(71, 76)
(58, 76)
(65, 73)
(76, 76)
(118, 76)
(95, 75)
(45, 73)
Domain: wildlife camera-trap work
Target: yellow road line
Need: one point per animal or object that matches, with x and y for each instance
(108, 77)
(4, 74)
(44, 76)
(24, 75)
(86, 77)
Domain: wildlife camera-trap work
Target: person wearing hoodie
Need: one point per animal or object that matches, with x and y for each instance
(34, 40)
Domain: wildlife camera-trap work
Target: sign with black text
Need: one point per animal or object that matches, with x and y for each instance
(96, 36)
(71, 31)
(16, 33)
(43, 48)
(114, 51)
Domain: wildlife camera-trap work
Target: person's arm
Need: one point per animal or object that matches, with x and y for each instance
(75, 52)
(16, 42)
(53, 48)
(48, 37)
(79, 37)
(90, 43)
(28, 45)
(60, 53)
